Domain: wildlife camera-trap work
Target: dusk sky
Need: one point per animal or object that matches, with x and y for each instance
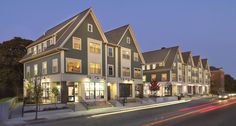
(206, 27)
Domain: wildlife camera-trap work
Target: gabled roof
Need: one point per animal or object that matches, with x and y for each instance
(196, 60)
(186, 56)
(64, 30)
(205, 63)
(166, 55)
(116, 35)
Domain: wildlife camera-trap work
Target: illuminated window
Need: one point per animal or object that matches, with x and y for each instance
(137, 73)
(90, 27)
(94, 48)
(154, 77)
(76, 43)
(73, 65)
(94, 68)
(144, 78)
(35, 69)
(143, 67)
(94, 90)
(125, 54)
(173, 76)
(128, 40)
(136, 57)
(148, 67)
(54, 65)
(154, 66)
(164, 77)
(126, 71)
(44, 67)
(161, 64)
(110, 51)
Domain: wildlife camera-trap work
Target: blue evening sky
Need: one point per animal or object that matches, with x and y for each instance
(206, 27)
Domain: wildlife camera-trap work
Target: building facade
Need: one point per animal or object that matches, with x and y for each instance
(176, 73)
(217, 80)
(83, 62)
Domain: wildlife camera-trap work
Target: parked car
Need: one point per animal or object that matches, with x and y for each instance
(223, 96)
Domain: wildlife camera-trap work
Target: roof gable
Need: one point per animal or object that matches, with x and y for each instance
(197, 61)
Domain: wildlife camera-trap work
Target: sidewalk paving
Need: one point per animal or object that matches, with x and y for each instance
(67, 113)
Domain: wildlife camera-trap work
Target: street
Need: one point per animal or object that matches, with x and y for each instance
(198, 112)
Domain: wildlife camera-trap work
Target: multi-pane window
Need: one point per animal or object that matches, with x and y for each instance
(73, 65)
(34, 50)
(28, 71)
(76, 43)
(126, 71)
(143, 67)
(39, 48)
(94, 68)
(110, 70)
(136, 57)
(154, 66)
(161, 64)
(153, 77)
(148, 67)
(110, 51)
(137, 73)
(125, 54)
(54, 65)
(180, 77)
(44, 46)
(164, 77)
(94, 48)
(94, 90)
(90, 27)
(173, 76)
(128, 40)
(144, 78)
(44, 68)
(35, 69)
(29, 50)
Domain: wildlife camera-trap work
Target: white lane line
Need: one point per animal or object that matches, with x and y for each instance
(139, 108)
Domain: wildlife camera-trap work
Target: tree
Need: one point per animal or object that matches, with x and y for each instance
(37, 93)
(230, 83)
(154, 87)
(55, 93)
(11, 71)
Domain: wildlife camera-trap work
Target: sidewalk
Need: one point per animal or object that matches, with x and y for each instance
(67, 113)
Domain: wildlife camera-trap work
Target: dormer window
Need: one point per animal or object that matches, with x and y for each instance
(90, 28)
(34, 50)
(29, 51)
(39, 48)
(44, 46)
(154, 66)
(128, 40)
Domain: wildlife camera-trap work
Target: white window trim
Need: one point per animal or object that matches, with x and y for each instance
(140, 72)
(74, 60)
(57, 66)
(148, 67)
(128, 40)
(35, 74)
(44, 45)
(154, 65)
(109, 47)
(112, 69)
(27, 70)
(136, 56)
(95, 64)
(46, 67)
(78, 40)
(90, 25)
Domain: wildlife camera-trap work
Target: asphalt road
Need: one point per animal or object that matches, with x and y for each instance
(199, 112)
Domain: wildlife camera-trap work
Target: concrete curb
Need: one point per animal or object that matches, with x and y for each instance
(119, 110)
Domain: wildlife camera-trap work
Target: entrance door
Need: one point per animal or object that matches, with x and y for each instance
(71, 92)
(108, 92)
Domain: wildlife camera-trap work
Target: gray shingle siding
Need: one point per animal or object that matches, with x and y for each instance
(40, 61)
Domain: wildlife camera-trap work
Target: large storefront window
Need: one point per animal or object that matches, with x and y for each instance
(94, 90)
(45, 92)
(167, 90)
